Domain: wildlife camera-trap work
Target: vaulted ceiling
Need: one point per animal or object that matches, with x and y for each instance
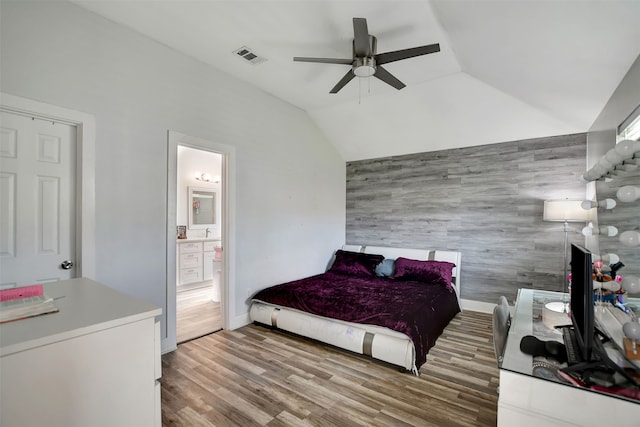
(507, 69)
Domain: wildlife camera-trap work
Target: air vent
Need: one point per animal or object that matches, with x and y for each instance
(249, 56)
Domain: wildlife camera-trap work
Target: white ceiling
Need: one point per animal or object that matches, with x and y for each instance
(507, 70)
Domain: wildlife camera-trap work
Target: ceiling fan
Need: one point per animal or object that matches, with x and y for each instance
(366, 62)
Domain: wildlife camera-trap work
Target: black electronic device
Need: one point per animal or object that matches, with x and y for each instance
(582, 315)
(590, 352)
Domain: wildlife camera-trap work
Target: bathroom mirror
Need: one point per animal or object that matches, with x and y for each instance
(202, 208)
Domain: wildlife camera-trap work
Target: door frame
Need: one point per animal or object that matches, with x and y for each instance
(227, 288)
(85, 125)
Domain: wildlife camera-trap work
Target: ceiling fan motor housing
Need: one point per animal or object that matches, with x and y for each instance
(365, 66)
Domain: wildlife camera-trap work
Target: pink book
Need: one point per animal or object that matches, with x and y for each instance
(22, 292)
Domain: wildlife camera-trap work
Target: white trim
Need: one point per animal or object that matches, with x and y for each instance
(482, 307)
(85, 171)
(228, 229)
(240, 321)
(467, 304)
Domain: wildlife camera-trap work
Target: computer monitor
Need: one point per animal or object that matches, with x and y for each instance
(582, 318)
(582, 314)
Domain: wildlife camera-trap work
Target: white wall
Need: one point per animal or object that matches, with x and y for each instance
(290, 205)
(602, 134)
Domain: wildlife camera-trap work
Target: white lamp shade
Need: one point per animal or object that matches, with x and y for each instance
(564, 210)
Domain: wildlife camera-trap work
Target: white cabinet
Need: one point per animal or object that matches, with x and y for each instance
(197, 261)
(94, 363)
(190, 262)
(209, 257)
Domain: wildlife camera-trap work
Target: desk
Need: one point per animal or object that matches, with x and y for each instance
(526, 400)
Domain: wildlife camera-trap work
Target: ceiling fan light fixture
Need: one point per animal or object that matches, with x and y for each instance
(364, 67)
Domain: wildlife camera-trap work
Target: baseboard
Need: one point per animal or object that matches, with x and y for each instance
(239, 321)
(482, 307)
(166, 347)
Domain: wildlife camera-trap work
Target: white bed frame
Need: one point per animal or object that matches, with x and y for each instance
(375, 341)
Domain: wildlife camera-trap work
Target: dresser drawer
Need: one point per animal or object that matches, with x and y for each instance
(190, 260)
(191, 247)
(190, 275)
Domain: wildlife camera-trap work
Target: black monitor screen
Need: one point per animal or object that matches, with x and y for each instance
(582, 299)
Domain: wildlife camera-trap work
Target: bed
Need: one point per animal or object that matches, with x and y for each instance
(387, 303)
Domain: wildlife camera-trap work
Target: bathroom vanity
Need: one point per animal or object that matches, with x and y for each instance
(196, 259)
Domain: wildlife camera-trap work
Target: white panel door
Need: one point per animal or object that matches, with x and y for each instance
(37, 200)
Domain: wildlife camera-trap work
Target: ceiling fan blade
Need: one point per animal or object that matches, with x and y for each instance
(397, 55)
(324, 60)
(388, 78)
(345, 79)
(361, 45)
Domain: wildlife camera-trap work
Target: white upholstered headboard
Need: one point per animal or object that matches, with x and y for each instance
(419, 254)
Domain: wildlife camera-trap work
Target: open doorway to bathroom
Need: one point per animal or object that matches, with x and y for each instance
(199, 249)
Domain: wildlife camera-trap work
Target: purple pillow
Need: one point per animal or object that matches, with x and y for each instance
(424, 271)
(355, 263)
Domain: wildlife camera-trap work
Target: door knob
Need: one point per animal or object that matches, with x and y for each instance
(66, 265)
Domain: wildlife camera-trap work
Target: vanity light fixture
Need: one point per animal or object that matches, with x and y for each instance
(606, 258)
(207, 178)
(628, 193)
(630, 238)
(203, 177)
(620, 159)
(606, 230)
(631, 284)
(605, 204)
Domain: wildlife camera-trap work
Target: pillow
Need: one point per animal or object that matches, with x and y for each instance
(355, 263)
(385, 268)
(424, 271)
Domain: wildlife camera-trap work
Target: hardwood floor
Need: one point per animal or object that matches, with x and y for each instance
(196, 313)
(254, 376)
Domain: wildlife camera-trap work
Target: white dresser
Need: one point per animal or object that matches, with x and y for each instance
(94, 363)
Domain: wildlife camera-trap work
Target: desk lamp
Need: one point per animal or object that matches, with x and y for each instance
(564, 211)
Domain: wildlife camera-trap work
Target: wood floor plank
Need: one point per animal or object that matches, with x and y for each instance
(256, 376)
(196, 313)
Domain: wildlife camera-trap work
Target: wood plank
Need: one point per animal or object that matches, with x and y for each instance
(255, 376)
(196, 313)
(485, 201)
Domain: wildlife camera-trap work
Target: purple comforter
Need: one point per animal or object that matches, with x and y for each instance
(417, 309)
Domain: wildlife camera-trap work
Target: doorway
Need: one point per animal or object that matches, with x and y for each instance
(37, 195)
(199, 272)
(224, 249)
(64, 140)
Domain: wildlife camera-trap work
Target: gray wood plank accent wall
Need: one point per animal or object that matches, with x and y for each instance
(484, 201)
